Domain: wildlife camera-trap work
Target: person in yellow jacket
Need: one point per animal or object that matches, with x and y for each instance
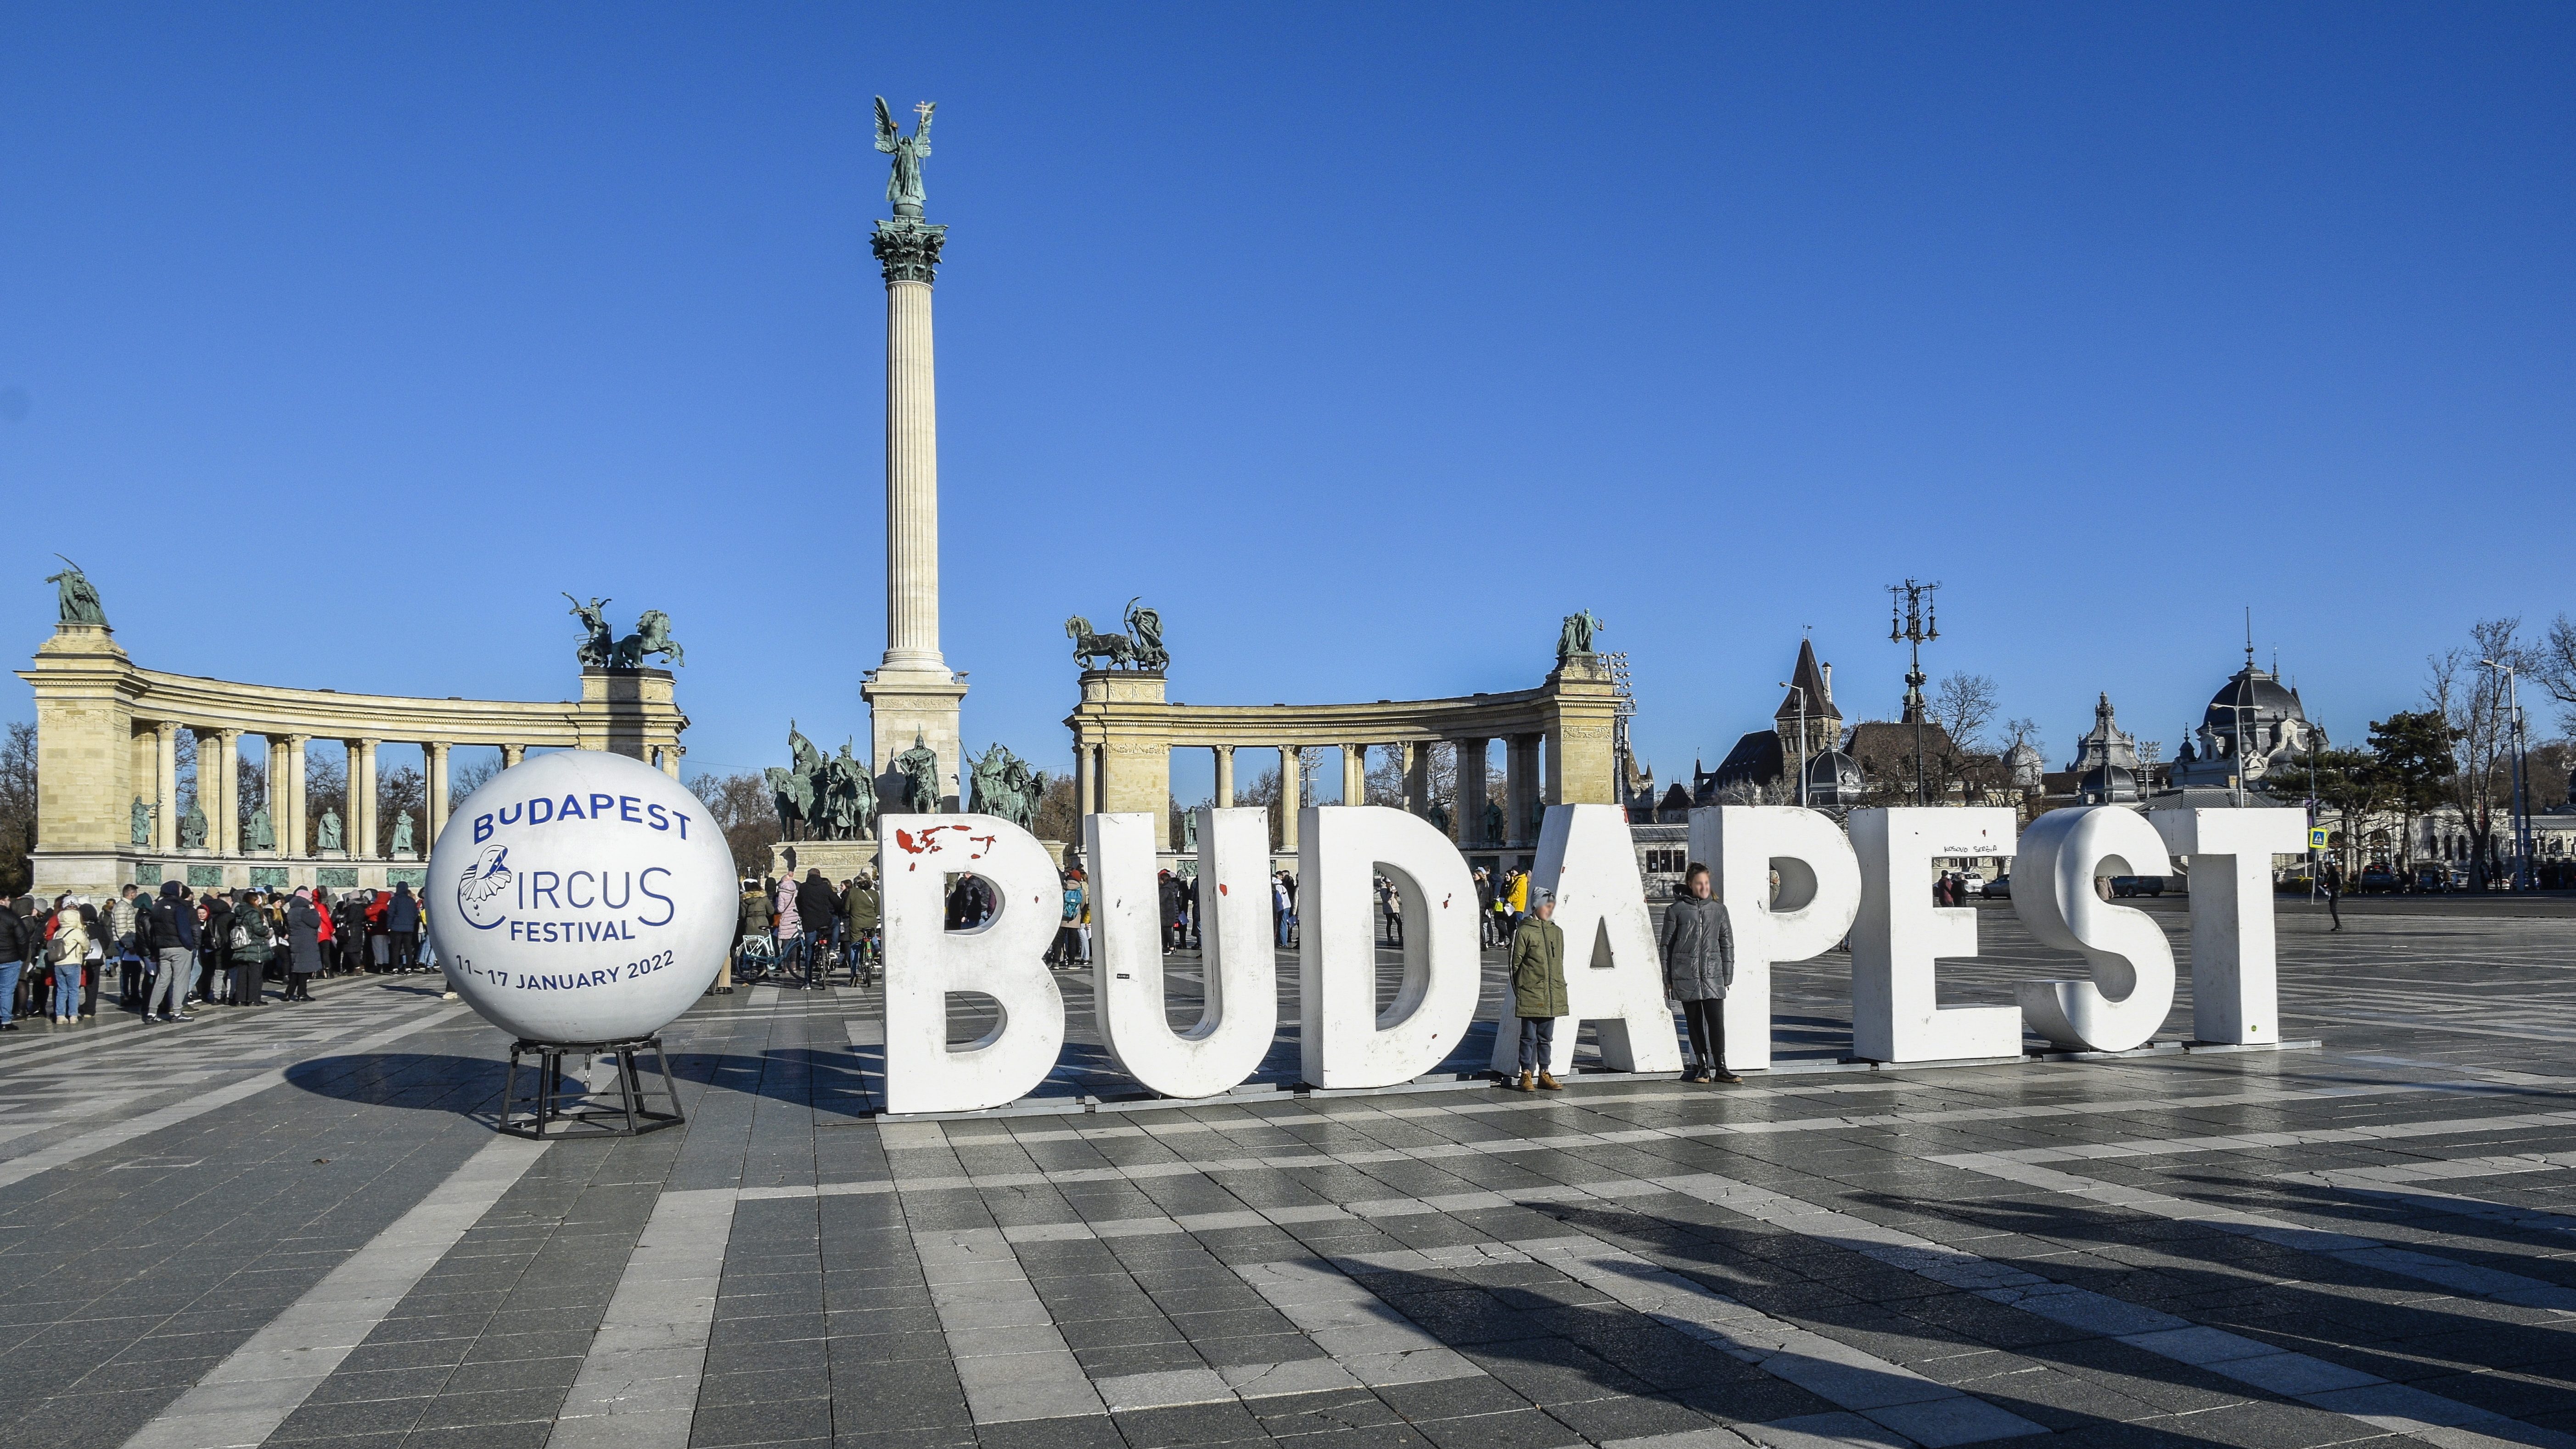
(1538, 990)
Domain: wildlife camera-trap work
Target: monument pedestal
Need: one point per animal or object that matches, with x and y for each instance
(905, 703)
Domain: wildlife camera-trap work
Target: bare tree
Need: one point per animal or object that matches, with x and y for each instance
(741, 806)
(1963, 705)
(1058, 816)
(250, 794)
(18, 798)
(326, 787)
(1386, 774)
(399, 793)
(465, 779)
(2553, 664)
(2471, 700)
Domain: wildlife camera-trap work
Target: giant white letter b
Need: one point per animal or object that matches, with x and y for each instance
(1005, 959)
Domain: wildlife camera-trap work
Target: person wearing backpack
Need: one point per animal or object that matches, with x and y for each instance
(174, 947)
(13, 959)
(253, 942)
(65, 952)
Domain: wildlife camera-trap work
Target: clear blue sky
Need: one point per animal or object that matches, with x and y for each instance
(1365, 341)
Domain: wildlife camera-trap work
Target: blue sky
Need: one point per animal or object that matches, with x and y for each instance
(1364, 341)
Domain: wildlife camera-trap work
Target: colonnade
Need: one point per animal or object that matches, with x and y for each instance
(218, 789)
(108, 734)
(1468, 825)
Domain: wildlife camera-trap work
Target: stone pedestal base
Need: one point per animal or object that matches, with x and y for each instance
(904, 705)
(839, 860)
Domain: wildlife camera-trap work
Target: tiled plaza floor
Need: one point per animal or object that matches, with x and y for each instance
(296, 1226)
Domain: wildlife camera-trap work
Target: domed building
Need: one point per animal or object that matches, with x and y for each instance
(2106, 761)
(2253, 724)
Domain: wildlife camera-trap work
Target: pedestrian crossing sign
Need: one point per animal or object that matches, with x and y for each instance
(2316, 837)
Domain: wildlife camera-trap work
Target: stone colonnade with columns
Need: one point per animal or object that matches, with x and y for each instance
(107, 735)
(1555, 748)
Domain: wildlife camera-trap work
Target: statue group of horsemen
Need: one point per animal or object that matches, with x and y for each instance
(835, 797)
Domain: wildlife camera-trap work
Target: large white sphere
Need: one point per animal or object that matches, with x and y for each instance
(581, 897)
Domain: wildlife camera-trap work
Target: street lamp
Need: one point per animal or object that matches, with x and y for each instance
(2521, 811)
(1910, 620)
(1802, 741)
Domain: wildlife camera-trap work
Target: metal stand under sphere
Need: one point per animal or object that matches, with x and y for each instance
(546, 1113)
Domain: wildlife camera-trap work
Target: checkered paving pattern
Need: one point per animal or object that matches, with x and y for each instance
(297, 1227)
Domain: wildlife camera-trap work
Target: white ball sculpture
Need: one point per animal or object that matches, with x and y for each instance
(581, 897)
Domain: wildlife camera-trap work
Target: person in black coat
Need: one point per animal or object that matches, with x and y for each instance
(304, 947)
(402, 922)
(216, 949)
(818, 910)
(13, 959)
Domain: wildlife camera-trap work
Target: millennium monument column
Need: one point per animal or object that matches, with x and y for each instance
(912, 697)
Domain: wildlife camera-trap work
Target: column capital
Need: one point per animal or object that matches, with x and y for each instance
(908, 249)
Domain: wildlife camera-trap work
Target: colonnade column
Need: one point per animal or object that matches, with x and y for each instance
(435, 761)
(165, 769)
(1224, 776)
(671, 761)
(1086, 781)
(1355, 774)
(512, 754)
(1469, 807)
(362, 799)
(1520, 789)
(223, 818)
(291, 836)
(1417, 778)
(1292, 793)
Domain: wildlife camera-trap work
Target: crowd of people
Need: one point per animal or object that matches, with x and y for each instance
(797, 932)
(172, 949)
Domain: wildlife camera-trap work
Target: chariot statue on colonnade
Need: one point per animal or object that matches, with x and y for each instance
(1141, 648)
(602, 649)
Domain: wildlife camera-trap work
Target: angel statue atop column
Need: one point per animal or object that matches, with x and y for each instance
(904, 187)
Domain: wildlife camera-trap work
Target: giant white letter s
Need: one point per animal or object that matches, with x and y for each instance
(2133, 968)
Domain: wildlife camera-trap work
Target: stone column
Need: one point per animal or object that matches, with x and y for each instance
(362, 799)
(512, 754)
(1469, 807)
(1520, 789)
(1224, 775)
(1417, 778)
(165, 769)
(1292, 792)
(909, 251)
(435, 762)
(1354, 774)
(223, 817)
(1086, 781)
(911, 695)
(671, 760)
(286, 802)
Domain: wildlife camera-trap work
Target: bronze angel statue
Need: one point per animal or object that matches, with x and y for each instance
(903, 188)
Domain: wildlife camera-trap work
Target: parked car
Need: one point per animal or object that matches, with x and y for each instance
(2137, 885)
(2434, 880)
(2375, 879)
(1972, 883)
(1999, 889)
